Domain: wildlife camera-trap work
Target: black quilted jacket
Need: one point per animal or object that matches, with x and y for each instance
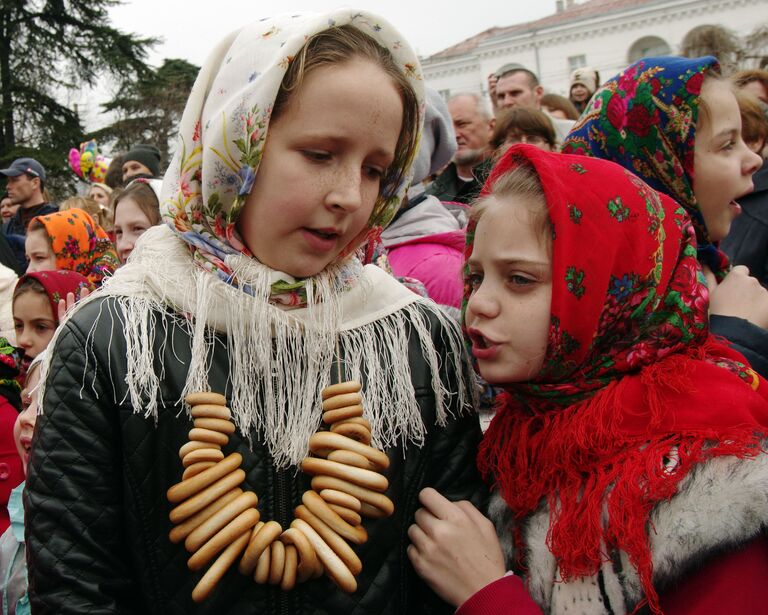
(97, 516)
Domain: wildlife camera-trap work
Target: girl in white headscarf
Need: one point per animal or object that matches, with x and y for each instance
(295, 149)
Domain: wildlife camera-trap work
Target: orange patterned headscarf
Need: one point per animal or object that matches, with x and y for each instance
(79, 244)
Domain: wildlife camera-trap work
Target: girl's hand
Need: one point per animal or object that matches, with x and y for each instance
(65, 304)
(739, 295)
(454, 548)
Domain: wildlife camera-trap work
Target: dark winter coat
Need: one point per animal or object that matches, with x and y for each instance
(97, 531)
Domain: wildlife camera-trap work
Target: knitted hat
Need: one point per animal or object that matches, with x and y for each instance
(438, 141)
(586, 76)
(148, 155)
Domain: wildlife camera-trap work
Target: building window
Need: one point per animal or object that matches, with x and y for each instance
(575, 62)
(648, 47)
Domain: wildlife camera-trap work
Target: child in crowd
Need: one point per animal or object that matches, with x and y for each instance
(99, 212)
(295, 148)
(676, 124)
(584, 82)
(13, 567)
(522, 125)
(10, 405)
(627, 451)
(136, 210)
(70, 240)
(8, 208)
(39, 300)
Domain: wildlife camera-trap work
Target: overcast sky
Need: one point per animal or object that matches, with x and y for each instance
(190, 29)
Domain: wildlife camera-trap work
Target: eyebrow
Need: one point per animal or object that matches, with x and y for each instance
(46, 320)
(344, 140)
(728, 132)
(511, 262)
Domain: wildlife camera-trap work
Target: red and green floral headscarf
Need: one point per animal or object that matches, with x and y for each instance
(80, 244)
(645, 120)
(631, 372)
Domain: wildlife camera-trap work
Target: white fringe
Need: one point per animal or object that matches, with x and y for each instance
(278, 363)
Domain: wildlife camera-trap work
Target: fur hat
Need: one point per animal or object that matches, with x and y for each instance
(438, 141)
(148, 155)
(586, 76)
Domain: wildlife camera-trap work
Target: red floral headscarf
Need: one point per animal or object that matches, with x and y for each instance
(80, 244)
(645, 119)
(631, 372)
(57, 284)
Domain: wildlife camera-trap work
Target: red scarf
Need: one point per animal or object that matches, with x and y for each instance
(632, 379)
(57, 285)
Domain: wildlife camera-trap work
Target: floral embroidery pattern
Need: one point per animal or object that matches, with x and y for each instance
(645, 120)
(617, 209)
(613, 312)
(80, 245)
(574, 213)
(575, 281)
(630, 370)
(222, 139)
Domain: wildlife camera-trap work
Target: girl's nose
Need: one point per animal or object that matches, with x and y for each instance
(28, 417)
(346, 193)
(752, 161)
(482, 302)
(24, 339)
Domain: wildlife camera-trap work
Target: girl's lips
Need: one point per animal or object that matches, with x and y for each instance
(736, 208)
(483, 348)
(320, 240)
(485, 354)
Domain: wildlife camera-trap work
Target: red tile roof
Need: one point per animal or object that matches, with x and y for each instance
(576, 12)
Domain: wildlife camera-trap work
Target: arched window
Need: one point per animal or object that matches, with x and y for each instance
(648, 47)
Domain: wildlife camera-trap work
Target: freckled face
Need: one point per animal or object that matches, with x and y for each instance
(321, 172)
(508, 312)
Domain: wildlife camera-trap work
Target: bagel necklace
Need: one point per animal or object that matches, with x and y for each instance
(219, 522)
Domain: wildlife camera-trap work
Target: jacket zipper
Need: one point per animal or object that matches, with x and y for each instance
(283, 492)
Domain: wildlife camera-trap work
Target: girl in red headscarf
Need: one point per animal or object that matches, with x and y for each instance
(70, 240)
(627, 451)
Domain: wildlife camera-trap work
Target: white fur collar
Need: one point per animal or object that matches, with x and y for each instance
(721, 505)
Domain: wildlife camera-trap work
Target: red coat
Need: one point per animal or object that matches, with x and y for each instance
(734, 582)
(11, 471)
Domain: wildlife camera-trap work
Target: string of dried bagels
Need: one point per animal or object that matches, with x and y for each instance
(219, 522)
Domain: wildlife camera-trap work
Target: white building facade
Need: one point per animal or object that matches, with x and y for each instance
(605, 34)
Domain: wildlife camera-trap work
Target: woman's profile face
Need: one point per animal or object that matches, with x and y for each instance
(723, 164)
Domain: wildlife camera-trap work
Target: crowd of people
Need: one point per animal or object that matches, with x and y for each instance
(357, 348)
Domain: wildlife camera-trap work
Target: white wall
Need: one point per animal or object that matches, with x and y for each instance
(604, 40)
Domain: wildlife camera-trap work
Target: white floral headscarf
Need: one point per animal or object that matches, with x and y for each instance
(223, 132)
